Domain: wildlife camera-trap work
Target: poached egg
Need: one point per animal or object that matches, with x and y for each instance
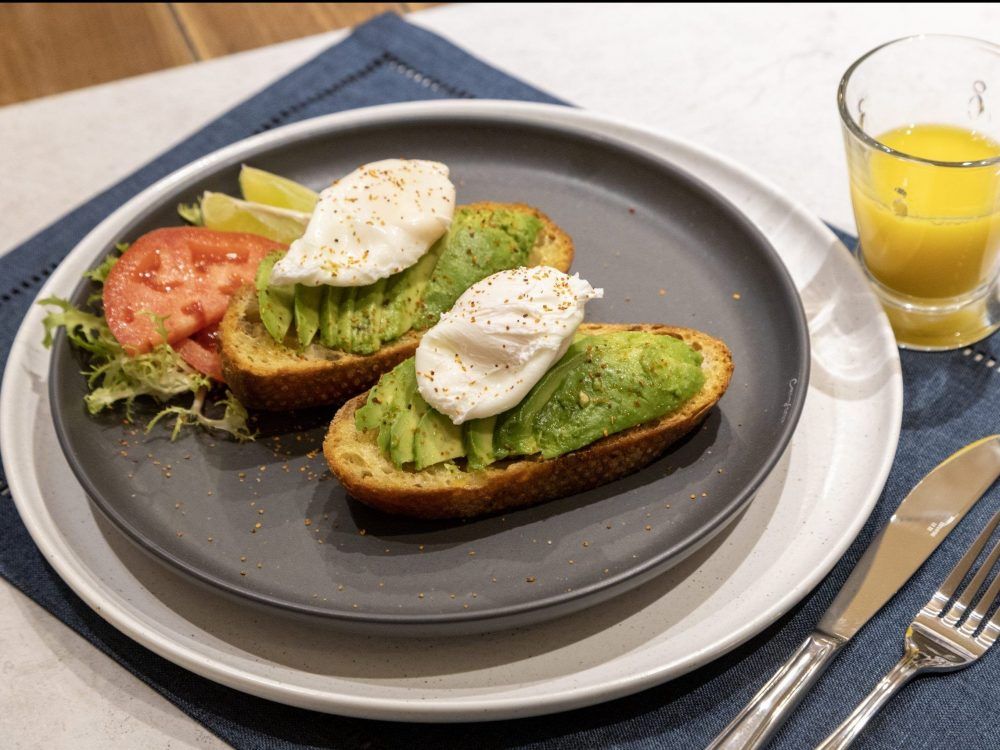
(499, 339)
(378, 220)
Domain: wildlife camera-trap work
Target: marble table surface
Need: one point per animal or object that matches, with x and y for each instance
(755, 83)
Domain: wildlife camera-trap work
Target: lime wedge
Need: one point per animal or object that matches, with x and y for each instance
(259, 186)
(228, 214)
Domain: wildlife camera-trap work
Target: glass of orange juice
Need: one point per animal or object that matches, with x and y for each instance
(921, 124)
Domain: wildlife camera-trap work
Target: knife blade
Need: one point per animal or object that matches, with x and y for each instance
(922, 521)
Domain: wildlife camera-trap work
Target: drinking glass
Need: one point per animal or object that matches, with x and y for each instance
(922, 131)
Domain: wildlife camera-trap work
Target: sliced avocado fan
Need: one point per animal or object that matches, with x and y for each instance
(480, 242)
(602, 385)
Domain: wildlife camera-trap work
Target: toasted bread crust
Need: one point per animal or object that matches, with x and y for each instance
(268, 376)
(441, 492)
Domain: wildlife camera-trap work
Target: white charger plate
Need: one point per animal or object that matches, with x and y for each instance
(804, 517)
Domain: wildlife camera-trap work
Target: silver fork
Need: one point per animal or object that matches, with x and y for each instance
(938, 639)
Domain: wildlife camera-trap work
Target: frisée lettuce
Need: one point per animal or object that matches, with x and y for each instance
(114, 377)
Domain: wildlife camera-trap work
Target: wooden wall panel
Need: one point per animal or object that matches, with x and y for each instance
(217, 29)
(46, 48)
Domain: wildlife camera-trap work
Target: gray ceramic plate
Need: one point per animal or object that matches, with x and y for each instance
(265, 520)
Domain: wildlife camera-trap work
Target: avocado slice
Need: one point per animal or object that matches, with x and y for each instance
(480, 242)
(400, 423)
(477, 434)
(436, 439)
(344, 317)
(384, 437)
(366, 318)
(404, 431)
(389, 394)
(328, 316)
(515, 434)
(403, 294)
(392, 397)
(627, 378)
(276, 302)
(308, 300)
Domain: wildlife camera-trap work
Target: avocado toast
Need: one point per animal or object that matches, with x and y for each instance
(554, 420)
(355, 334)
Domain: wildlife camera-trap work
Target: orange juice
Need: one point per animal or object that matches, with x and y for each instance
(927, 230)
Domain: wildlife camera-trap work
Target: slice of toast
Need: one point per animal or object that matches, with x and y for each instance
(266, 375)
(445, 491)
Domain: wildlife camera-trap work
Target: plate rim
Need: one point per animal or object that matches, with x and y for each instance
(553, 605)
(111, 606)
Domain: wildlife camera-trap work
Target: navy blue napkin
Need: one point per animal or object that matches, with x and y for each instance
(950, 400)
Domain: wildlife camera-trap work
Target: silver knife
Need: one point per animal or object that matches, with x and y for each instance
(921, 522)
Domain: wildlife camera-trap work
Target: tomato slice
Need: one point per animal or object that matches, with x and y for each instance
(201, 351)
(182, 275)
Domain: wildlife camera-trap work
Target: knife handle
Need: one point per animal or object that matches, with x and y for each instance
(768, 710)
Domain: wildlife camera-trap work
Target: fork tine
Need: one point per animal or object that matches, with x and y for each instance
(947, 590)
(953, 615)
(992, 629)
(987, 600)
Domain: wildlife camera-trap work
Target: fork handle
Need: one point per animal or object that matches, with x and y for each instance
(768, 710)
(852, 726)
